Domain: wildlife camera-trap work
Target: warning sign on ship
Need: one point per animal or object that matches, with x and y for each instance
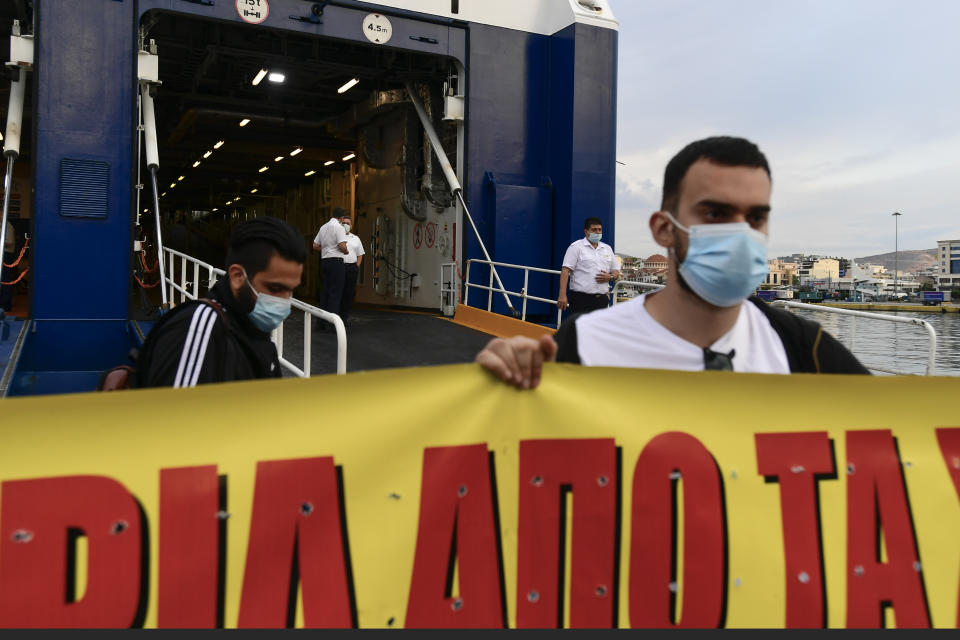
(253, 11)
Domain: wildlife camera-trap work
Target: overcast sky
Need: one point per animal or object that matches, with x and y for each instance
(856, 104)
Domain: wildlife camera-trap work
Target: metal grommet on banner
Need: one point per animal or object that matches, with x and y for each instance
(601, 591)
(603, 481)
(393, 496)
(22, 536)
(533, 595)
(851, 468)
(306, 508)
(537, 481)
(462, 491)
(858, 570)
(798, 468)
(675, 475)
(457, 604)
(119, 527)
(803, 577)
(222, 515)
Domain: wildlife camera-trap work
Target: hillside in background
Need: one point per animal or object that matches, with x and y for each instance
(910, 260)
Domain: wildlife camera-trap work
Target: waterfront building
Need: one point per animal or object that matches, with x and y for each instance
(781, 273)
(948, 261)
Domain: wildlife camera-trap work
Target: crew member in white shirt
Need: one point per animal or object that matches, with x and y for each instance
(331, 242)
(589, 266)
(351, 263)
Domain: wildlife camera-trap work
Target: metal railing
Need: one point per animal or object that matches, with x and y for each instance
(449, 288)
(189, 290)
(632, 284)
(931, 334)
(522, 294)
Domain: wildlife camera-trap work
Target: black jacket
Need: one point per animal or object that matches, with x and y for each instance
(197, 343)
(809, 348)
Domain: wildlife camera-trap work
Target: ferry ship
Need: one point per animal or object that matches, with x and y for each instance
(139, 131)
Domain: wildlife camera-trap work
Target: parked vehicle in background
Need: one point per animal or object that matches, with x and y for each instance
(929, 298)
(810, 296)
(767, 295)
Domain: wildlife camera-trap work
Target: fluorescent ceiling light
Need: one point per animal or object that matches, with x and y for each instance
(196, 164)
(349, 156)
(207, 154)
(253, 190)
(262, 169)
(163, 194)
(350, 84)
(145, 210)
(173, 184)
(180, 178)
(295, 151)
(227, 202)
(278, 159)
(276, 76)
(214, 209)
(259, 77)
(328, 163)
(1, 136)
(218, 145)
(309, 173)
(245, 122)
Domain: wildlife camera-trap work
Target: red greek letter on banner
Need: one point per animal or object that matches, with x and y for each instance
(949, 440)
(188, 576)
(548, 469)
(667, 459)
(794, 460)
(457, 524)
(877, 501)
(40, 519)
(295, 531)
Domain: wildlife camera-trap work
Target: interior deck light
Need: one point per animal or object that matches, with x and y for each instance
(350, 84)
(253, 190)
(328, 163)
(349, 156)
(259, 77)
(196, 164)
(245, 122)
(295, 151)
(180, 178)
(278, 159)
(207, 154)
(218, 145)
(262, 169)
(276, 77)
(309, 173)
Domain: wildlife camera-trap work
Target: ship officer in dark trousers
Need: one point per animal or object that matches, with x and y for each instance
(331, 242)
(351, 264)
(589, 265)
(714, 223)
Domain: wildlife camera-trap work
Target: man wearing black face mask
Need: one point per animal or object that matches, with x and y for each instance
(713, 222)
(228, 337)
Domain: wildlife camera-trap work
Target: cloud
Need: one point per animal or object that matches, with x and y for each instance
(854, 104)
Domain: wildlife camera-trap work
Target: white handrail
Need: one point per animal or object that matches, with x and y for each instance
(190, 290)
(931, 334)
(522, 294)
(633, 283)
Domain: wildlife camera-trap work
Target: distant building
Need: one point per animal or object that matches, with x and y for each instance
(948, 261)
(781, 273)
(815, 270)
(656, 261)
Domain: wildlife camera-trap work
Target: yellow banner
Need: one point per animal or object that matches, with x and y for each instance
(439, 497)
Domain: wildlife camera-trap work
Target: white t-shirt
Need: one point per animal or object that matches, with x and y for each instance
(330, 235)
(625, 335)
(354, 249)
(586, 262)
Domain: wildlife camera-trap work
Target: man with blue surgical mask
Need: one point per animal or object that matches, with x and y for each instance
(714, 222)
(226, 336)
(589, 266)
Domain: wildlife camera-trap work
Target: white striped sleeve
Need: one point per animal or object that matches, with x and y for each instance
(195, 347)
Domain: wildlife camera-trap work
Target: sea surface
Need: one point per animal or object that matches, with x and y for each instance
(896, 346)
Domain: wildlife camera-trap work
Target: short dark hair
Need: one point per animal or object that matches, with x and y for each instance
(724, 150)
(339, 212)
(254, 242)
(592, 220)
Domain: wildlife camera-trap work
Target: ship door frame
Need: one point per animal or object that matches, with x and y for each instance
(412, 31)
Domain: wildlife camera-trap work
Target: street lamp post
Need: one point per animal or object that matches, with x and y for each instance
(896, 251)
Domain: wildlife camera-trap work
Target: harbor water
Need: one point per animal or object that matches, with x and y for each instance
(897, 346)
